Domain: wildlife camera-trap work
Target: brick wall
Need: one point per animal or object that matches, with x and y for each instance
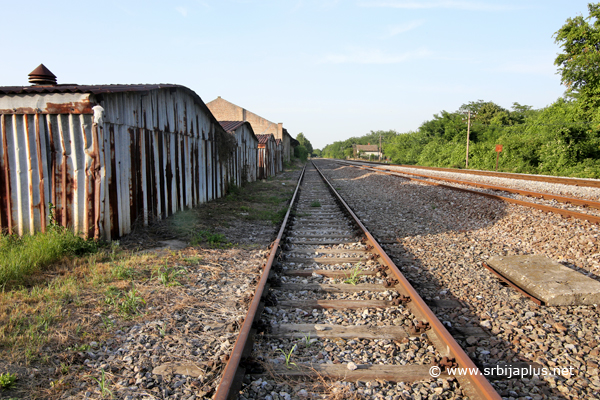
(226, 111)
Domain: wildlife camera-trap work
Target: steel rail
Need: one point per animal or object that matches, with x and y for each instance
(480, 383)
(551, 196)
(513, 285)
(229, 374)
(511, 175)
(566, 213)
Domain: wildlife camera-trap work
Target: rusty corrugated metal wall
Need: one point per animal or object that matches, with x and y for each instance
(267, 162)
(135, 156)
(245, 162)
(278, 156)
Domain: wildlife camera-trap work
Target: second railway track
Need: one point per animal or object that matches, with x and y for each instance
(336, 319)
(541, 199)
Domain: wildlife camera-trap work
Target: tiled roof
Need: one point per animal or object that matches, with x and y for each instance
(367, 147)
(231, 126)
(263, 139)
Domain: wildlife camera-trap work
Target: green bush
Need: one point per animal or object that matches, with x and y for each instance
(555, 140)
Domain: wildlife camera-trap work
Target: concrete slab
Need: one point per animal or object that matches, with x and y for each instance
(547, 280)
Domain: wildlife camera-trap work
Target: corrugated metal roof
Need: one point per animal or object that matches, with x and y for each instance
(231, 126)
(98, 90)
(95, 89)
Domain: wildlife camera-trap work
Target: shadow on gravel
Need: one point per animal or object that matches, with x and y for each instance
(404, 221)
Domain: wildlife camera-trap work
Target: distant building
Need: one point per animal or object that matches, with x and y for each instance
(366, 150)
(223, 110)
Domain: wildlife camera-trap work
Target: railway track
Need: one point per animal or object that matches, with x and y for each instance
(540, 178)
(331, 306)
(440, 239)
(433, 180)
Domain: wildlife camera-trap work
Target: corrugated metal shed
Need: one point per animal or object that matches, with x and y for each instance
(107, 156)
(246, 164)
(266, 156)
(279, 155)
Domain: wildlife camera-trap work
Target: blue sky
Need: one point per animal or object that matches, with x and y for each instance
(331, 69)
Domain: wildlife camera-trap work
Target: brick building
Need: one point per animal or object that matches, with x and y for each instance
(223, 110)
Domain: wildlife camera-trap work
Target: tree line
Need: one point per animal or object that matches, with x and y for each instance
(560, 139)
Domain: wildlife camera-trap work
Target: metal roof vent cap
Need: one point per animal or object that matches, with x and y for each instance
(42, 76)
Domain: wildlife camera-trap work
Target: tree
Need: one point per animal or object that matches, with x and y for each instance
(301, 153)
(487, 112)
(304, 142)
(579, 63)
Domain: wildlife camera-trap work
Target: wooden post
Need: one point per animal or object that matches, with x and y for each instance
(380, 148)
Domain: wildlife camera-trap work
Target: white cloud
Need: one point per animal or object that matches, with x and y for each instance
(452, 4)
(182, 10)
(398, 29)
(359, 56)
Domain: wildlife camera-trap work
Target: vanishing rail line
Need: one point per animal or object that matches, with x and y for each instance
(540, 178)
(431, 181)
(327, 286)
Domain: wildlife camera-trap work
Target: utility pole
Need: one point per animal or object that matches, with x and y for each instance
(468, 134)
(379, 147)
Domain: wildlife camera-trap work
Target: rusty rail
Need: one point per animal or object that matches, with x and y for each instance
(510, 175)
(481, 385)
(565, 213)
(551, 196)
(231, 369)
(513, 285)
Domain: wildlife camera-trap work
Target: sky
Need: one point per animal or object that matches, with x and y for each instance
(331, 69)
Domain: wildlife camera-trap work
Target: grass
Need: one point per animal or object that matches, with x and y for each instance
(168, 275)
(315, 203)
(127, 303)
(7, 380)
(288, 357)
(37, 315)
(354, 276)
(275, 216)
(256, 201)
(103, 385)
(215, 240)
(121, 271)
(307, 340)
(23, 256)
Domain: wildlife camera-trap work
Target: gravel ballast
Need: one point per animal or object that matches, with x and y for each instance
(443, 236)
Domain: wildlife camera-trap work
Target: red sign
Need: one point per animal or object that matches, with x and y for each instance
(498, 148)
